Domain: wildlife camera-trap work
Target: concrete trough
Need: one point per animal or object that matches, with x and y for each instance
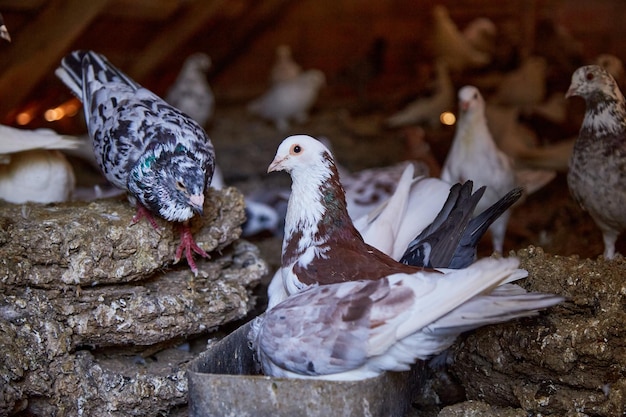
(224, 381)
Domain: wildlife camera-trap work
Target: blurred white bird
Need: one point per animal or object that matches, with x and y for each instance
(285, 68)
(191, 92)
(427, 110)
(452, 46)
(32, 168)
(289, 100)
(475, 156)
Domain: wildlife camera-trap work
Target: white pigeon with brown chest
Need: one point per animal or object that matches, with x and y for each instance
(475, 156)
(597, 170)
(321, 244)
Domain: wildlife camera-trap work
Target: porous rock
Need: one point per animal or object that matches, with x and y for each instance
(53, 334)
(571, 359)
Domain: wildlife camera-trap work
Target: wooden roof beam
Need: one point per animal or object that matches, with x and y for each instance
(38, 48)
(176, 33)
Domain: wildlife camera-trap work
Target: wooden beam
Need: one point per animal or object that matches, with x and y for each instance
(242, 35)
(176, 33)
(40, 45)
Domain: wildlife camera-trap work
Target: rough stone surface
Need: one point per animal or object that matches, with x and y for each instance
(103, 347)
(479, 409)
(571, 359)
(96, 243)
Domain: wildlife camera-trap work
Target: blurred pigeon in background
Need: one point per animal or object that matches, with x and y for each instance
(290, 100)
(161, 156)
(284, 68)
(4, 32)
(191, 92)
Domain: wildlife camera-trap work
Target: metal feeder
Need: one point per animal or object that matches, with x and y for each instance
(224, 381)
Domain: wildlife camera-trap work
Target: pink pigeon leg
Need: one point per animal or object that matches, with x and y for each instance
(143, 212)
(188, 244)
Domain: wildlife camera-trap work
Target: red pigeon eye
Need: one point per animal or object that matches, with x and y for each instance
(589, 76)
(296, 149)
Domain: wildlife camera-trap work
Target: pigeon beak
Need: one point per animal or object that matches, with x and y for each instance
(197, 203)
(276, 165)
(571, 91)
(464, 105)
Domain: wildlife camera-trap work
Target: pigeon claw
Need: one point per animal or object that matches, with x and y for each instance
(188, 245)
(142, 213)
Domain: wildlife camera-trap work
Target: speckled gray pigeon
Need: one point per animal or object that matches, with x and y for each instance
(597, 171)
(143, 145)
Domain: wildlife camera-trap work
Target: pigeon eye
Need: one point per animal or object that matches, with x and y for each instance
(296, 149)
(180, 185)
(589, 76)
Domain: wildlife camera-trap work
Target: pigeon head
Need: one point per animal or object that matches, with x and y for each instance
(470, 99)
(199, 61)
(170, 183)
(302, 155)
(593, 81)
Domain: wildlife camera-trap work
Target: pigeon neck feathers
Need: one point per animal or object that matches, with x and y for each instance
(321, 244)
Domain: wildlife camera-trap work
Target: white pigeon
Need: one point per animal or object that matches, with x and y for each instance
(475, 156)
(32, 168)
(358, 329)
(452, 47)
(191, 92)
(428, 110)
(284, 68)
(290, 100)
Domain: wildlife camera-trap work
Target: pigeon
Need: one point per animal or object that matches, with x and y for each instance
(285, 68)
(451, 46)
(4, 32)
(289, 100)
(428, 110)
(162, 157)
(32, 168)
(597, 171)
(475, 156)
(321, 244)
(354, 330)
(191, 92)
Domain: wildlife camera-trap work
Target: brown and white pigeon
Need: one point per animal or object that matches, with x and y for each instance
(321, 244)
(32, 168)
(191, 92)
(597, 171)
